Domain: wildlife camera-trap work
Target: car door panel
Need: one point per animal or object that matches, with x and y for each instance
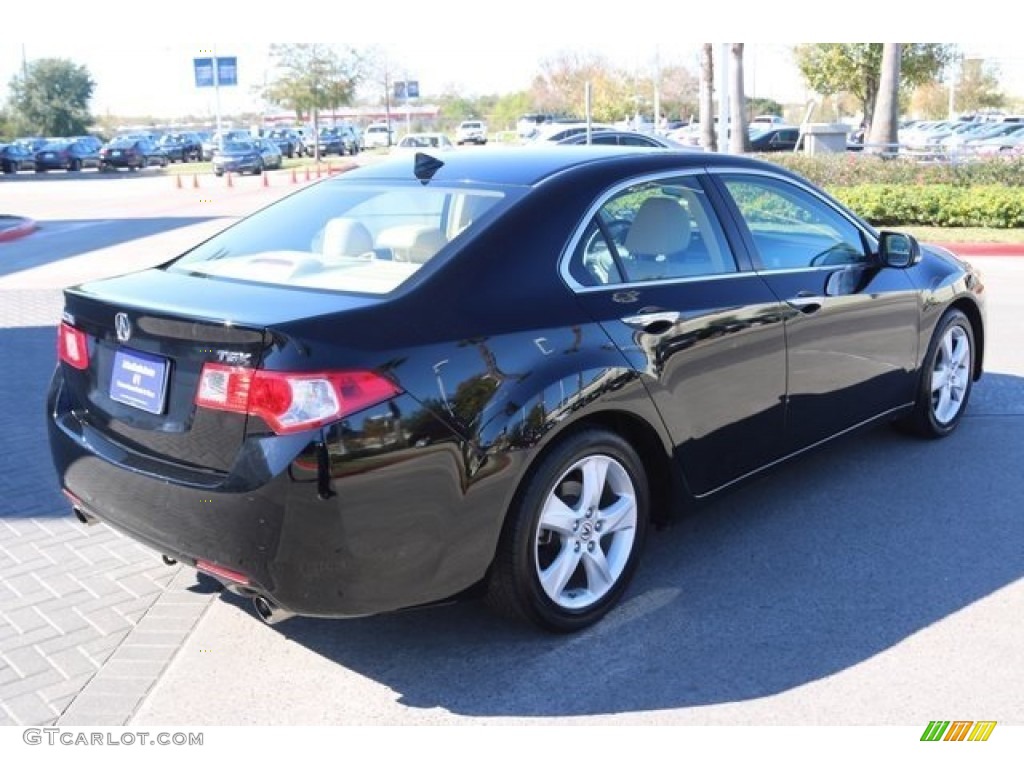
(852, 325)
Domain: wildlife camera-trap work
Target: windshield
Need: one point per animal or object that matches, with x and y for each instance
(345, 236)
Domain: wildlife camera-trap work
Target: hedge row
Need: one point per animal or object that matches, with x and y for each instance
(939, 205)
(904, 192)
(850, 169)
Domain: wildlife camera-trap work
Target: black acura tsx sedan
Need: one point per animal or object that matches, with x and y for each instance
(490, 372)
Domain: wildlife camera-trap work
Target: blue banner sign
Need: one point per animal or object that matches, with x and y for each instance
(407, 89)
(227, 71)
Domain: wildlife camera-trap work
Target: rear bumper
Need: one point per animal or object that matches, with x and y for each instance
(397, 529)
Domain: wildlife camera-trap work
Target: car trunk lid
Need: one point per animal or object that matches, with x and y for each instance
(148, 337)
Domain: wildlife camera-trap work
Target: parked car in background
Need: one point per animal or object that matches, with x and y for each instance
(626, 139)
(132, 153)
(216, 138)
(15, 157)
(774, 138)
(288, 141)
(471, 132)
(239, 156)
(32, 143)
(528, 124)
(338, 140)
(491, 375)
(378, 135)
(270, 152)
(66, 155)
(1004, 144)
(769, 121)
(553, 133)
(184, 147)
(93, 142)
(964, 141)
(420, 141)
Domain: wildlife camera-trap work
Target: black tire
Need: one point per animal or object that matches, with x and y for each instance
(525, 580)
(75, 164)
(947, 375)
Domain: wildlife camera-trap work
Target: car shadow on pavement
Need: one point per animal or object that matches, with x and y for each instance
(57, 239)
(28, 482)
(802, 574)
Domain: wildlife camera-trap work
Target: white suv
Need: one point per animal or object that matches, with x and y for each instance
(378, 135)
(471, 131)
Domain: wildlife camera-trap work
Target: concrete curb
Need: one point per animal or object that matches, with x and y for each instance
(13, 227)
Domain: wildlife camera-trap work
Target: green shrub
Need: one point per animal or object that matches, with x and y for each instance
(849, 169)
(936, 205)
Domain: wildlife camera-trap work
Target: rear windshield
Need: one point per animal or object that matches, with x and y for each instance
(345, 236)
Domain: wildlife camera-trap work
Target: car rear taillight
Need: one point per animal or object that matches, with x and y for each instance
(72, 347)
(291, 402)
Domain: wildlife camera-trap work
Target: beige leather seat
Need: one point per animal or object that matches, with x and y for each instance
(346, 238)
(657, 239)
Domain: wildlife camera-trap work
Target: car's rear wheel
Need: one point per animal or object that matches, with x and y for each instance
(574, 534)
(946, 378)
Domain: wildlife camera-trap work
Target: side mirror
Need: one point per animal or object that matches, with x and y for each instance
(898, 250)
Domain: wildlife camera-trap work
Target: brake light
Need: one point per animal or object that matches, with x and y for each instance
(291, 402)
(72, 347)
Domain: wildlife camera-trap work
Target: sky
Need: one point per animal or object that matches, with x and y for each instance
(490, 48)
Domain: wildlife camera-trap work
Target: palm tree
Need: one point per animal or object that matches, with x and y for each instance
(706, 103)
(739, 140)
(883, 131)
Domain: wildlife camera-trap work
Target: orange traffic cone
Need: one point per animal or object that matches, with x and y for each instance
(195, 181)
(318, 170)
(266, 179)
(177, 181)
(230, 182)
(295, 178)
(307, 173)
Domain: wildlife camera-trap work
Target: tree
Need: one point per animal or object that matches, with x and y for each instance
(678, 91)
(560, 86)
(312, 77)
(763, 106)
(930, 101)
(739, 137)
(709, 139)
(977, 88)
(508, 109)
(51, 98)
(884, 126)
(856, 68)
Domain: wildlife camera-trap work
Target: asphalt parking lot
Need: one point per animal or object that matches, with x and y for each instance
(876, 582)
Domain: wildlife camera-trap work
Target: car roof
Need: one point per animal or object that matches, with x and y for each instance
(528, 166)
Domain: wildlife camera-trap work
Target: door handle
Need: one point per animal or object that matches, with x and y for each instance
(805, 302)
(652, 322)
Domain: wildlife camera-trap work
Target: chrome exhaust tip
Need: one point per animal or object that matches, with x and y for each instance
(270, 612)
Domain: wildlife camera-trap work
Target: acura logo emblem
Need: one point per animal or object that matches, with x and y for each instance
(123, 326)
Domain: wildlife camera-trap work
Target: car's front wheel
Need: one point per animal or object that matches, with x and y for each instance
(574, 534)
(946, 377)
